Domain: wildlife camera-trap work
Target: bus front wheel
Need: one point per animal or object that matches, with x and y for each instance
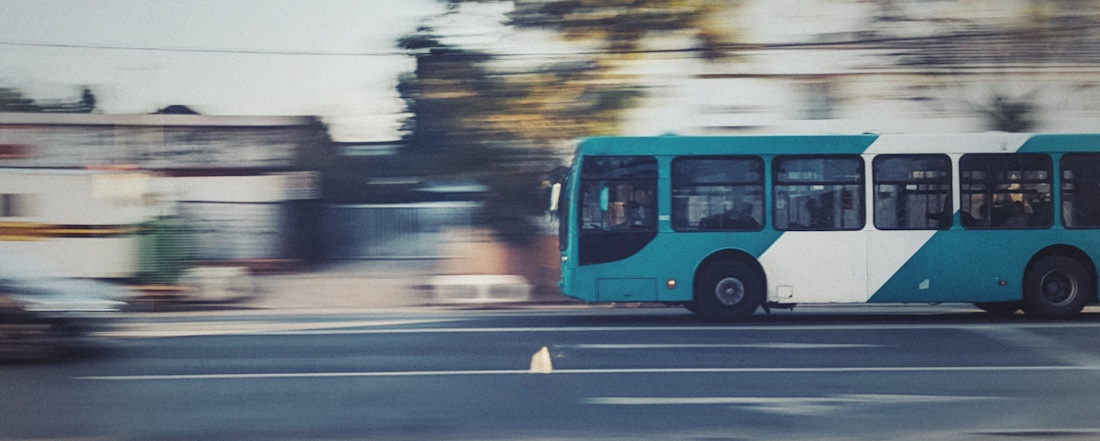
(729, 290)
(1057, 287)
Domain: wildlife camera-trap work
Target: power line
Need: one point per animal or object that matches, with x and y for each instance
(855, 43)
(202, 50)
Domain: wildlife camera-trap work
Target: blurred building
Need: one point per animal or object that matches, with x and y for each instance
(376, 148)
(884, 66)
(232, 180)
(84, 222)
(420, 230)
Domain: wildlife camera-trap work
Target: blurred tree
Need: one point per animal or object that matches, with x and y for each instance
(470, 117)
(87, 101)
(465, 121)
(317, 152)
(448, 97)
(987, 32)
(988, 35)
(1010, 114)
(621, 25)
(343, 179)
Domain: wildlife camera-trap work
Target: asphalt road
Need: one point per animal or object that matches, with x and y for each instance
(816, 373)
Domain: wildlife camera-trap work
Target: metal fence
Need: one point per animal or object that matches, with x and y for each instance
(404, 231)
(236, 231)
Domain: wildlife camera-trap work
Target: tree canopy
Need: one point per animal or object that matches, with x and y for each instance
(470, 117)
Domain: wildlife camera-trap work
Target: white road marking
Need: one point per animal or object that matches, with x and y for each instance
(208, 328)
(802, 406)
(701, 328)
(720, 346)
(836, 370)
(261, 376)
(1053, 348)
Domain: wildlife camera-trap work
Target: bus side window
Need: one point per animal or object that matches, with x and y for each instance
(818, 192)
(724, 193)
(1006, 190)
(1081, 190)
(975, 219)
(913, 192)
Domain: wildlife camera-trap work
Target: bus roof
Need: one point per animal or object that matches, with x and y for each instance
(992, 142)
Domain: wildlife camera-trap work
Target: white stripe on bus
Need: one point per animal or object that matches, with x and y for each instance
(948, 143)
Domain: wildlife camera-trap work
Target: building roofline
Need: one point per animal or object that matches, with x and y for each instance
(150, 120)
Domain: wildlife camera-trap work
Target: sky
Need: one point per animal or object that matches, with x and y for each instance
(344, 67)
(231, 57)
(336, 59)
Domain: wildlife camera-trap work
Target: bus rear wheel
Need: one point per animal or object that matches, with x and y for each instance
(1057, 287)
(728, 290)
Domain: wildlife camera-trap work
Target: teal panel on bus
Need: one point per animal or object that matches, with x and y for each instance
(1069, 143)
(968, 266)
(671, 256)
(626, 290)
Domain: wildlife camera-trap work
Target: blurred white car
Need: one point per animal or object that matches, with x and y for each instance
(45, 314)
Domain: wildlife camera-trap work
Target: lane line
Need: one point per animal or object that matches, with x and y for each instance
(1057, 350)
(260, 376)
(303, 375)
(841, 398)
(720, 346)
(739, 328)
(801, 406)
(205, 329)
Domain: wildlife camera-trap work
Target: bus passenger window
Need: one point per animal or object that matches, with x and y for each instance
(913, 192)
(818, 193)
(1081, 190)
(1006, 190)
(718, 194)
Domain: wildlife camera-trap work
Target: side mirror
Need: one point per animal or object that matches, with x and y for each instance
(555, 195)
(605, 199)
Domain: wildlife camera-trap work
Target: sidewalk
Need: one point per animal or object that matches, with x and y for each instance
(346, 285)
(368, 284)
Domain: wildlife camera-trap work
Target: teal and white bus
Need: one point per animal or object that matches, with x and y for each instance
(727, 225)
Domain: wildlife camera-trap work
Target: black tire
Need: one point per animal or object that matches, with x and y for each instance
(999, 309)
(729, 290)
(1057, 287)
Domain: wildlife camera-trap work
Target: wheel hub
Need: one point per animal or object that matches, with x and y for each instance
(1058, 287)
(729, 291)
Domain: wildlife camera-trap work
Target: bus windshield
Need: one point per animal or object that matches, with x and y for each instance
(618, 206)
